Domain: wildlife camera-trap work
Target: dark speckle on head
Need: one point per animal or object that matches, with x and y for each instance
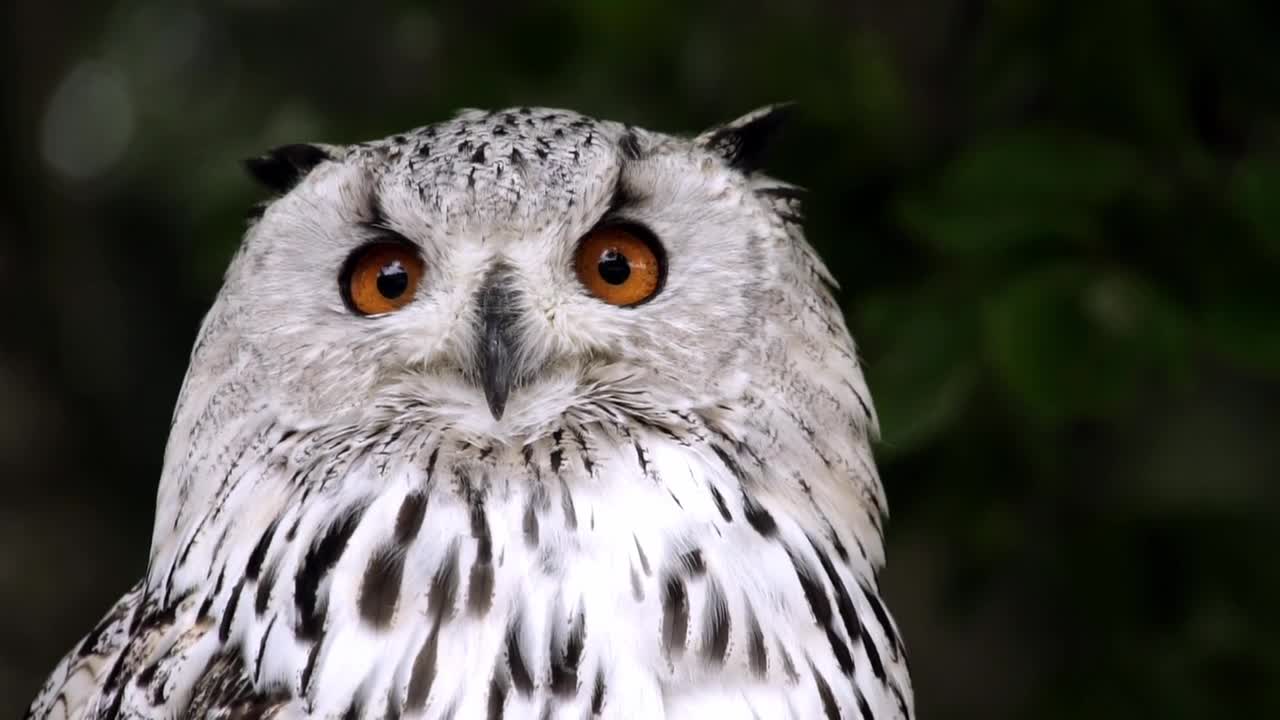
(511, 163)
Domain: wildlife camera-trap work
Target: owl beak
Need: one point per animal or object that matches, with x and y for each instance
(498, 371)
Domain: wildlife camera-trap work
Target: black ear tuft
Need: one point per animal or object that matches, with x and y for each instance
(283, 167)
(742, 143)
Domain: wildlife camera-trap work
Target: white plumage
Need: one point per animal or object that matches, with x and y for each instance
(511, 495)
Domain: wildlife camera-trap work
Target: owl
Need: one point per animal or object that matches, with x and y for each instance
(522, 414)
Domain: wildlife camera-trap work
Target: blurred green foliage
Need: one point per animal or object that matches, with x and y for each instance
(1056, 226)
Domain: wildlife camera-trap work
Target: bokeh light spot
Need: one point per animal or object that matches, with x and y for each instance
(89, 121)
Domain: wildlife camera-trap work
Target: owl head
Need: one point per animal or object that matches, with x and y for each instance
(502, 270)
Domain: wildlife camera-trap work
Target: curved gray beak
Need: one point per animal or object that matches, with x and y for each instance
(497, 337)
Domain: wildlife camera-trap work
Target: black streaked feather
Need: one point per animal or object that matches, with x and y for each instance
(757, 651)
(820, 604)
(409, 520)
(564, 664)
(497, 695)
(380, 587)
(320, 558)
(443, 593)
(480, 582)
(716, 626)
(423, 673)
(720, 504)
(675, 615)
(259, 553)
(519, 670)
(848, 614)
(597, 694)
(229, 612)
(829, 707)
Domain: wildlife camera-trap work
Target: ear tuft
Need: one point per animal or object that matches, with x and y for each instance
(280, 169)
(742, 142)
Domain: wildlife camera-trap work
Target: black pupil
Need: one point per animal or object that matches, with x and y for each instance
(614, 268)
(392, 280)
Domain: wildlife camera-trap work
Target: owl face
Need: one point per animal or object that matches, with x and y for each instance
(502, 269)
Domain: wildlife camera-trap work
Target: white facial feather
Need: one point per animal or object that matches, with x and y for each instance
(674, 514)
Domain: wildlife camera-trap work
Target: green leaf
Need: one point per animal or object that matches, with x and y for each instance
(1071, 341)
(1242, 322)
(1022, 187)
(1255, 196)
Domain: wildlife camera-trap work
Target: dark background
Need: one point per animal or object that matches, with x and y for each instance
(1057, 227)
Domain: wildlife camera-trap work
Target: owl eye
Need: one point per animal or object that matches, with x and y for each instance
(380, 277)
(621, 264)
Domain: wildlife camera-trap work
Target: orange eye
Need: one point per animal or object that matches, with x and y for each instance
(620, 264)
(381, 277)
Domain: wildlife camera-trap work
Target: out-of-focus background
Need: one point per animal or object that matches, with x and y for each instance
(1057, 227)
